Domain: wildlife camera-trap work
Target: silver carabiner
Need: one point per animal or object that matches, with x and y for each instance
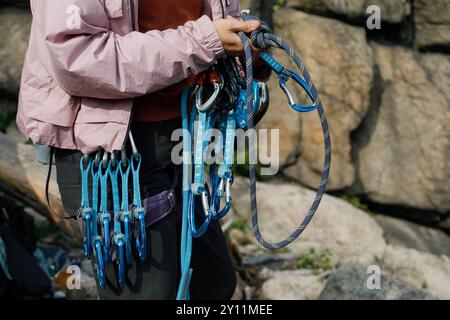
(105, 160)
(203, 107)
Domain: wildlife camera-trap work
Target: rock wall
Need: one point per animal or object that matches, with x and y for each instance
(385, 92)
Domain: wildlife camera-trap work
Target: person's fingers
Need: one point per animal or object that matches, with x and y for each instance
(246, 26)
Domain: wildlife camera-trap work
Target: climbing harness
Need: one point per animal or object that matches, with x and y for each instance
(109, 175)
(235, 102)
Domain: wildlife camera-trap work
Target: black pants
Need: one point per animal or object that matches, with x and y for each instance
(158, 277)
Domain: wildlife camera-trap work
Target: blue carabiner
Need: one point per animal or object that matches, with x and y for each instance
(86, 214)
(198, 232)
(99, 266)
(120, 243)
(283, 76)
(141, 238)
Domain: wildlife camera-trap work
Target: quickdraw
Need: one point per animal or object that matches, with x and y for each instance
(104, 171)
(235, 102)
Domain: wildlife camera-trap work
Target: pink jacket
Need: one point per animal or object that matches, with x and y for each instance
(85, 64)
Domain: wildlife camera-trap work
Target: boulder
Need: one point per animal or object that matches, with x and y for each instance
(292, 285)
(418, 269)
(411, 235)
(401, 150)
(432, 22)
(349, 282)
(392, 11)
(349, 234)
(13, 46)
(344, 85)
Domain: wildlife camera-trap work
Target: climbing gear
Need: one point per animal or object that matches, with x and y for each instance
(235, 102)
(109, 174)
(99, 265)
(263, 39)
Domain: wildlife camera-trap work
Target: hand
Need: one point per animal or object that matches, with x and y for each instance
(228, 29)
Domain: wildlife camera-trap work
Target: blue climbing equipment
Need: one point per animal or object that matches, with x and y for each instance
(236, 102)
(138, 210)
(99, 265)
(110, 176)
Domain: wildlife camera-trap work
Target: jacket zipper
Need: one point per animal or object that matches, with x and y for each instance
(133, 28)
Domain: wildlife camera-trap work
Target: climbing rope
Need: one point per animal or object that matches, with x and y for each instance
(264, 38)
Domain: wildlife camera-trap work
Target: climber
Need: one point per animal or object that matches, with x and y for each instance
(95, 70)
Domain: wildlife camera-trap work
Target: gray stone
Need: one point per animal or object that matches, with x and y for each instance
(350, 234)
(13, 46)
(432, 22)
(410, 235)
(402, 149)
(292, 285)
(344, 84)
(349, 282)
(418, 269)
(393, 11)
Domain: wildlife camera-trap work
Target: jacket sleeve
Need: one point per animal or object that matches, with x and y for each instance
(233, 8)
(87, 59)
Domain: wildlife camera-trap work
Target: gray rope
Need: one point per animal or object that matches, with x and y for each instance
(264, 38)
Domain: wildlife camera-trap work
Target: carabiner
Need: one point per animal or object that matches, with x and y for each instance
(224, 188)
(86, 214)
(126, 218)
(105, 220)
(119, 242)
(283, 76)
(140, 234)
(217, 82)
(198, 232)
(99, 264)
(283, 85)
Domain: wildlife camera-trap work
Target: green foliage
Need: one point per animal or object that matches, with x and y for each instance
(279, 4)
(315, 261)
(356, 202)
(5, 119)
(424, 285)
(239, 224)
(243, 169)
